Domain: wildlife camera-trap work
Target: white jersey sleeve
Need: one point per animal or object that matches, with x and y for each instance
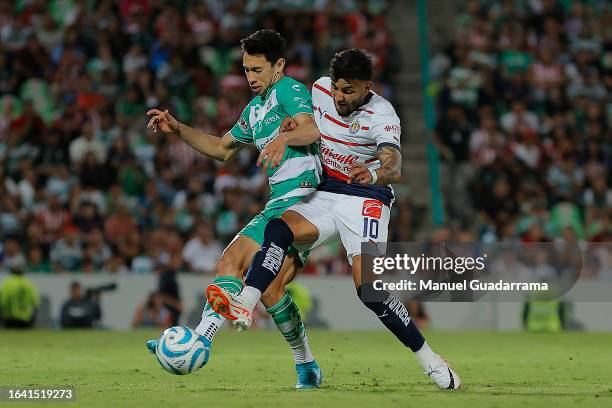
(386, 130)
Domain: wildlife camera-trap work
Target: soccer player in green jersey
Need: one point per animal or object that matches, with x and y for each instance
(293, 171)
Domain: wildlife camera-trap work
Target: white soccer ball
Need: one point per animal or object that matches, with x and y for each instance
(180, 350)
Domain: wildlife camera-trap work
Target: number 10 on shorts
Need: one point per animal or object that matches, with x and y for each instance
(372, 209)
(370, 228)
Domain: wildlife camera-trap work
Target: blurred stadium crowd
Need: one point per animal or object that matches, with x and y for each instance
(83, 185)
(524, 122)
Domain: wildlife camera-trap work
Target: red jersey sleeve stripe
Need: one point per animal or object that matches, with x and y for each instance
(346, 143)
(336, 121)
(320, 88)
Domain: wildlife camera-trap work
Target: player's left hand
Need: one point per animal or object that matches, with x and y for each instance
(273, 153)
(359, 174)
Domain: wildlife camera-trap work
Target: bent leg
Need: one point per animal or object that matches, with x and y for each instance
(230, 269)
(309, 220)
(279, 234)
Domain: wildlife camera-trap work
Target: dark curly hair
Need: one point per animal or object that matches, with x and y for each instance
(351, 64)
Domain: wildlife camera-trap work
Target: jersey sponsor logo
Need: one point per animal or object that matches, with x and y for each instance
(336, 160)
(296, 87)
(372, 208)
(271, 119)
(302, 102)
(243, 125)
(355, 126)
(395, 129)
(341, 158)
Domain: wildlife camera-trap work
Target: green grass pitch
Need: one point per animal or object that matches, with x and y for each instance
(370, 369)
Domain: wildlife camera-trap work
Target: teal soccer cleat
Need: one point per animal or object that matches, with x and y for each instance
(309, 376)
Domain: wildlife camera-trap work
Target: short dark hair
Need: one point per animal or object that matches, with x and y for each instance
(351, 64)
(266, 42)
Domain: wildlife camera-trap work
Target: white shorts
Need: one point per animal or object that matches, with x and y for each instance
(352, 219)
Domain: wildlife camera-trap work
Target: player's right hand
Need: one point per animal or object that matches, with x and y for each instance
(162, 121)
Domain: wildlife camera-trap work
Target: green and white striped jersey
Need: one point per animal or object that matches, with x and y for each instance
(299, 172)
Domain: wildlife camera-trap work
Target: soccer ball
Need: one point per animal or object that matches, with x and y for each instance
(180, 350)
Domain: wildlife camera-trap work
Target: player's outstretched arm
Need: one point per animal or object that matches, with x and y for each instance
(212, 146)
(389, 172)
(301, 131)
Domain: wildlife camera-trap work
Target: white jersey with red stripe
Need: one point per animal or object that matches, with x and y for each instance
(354, 213)
(354, 138)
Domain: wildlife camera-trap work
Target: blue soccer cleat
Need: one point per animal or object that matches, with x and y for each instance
(151, 345)
(309, 376)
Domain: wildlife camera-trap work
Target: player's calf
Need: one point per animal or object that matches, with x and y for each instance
(394, 315)
(286, 315)
(269, 259)
(266, 265)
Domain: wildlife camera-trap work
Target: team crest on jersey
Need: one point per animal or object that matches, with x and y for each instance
(355, 126)
(372, 208)
(243, 125)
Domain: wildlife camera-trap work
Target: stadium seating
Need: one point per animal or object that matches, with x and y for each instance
(84, 186)
(525, 120)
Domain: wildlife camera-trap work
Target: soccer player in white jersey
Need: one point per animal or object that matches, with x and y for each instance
(360, 150)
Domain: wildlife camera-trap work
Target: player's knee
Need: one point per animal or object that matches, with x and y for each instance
(225, 266)
(278, 231)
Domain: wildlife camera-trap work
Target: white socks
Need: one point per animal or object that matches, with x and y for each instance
(250, 296)
(426, 357)
(210, 324)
